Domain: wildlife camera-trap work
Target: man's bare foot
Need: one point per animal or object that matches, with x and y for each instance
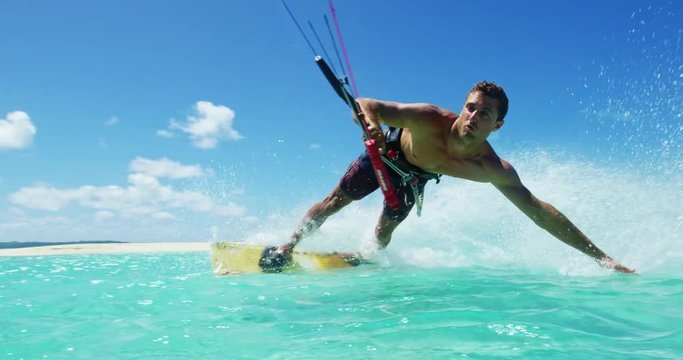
(273, 260)
(286, 249)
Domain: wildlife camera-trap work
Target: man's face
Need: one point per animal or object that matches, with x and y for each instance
(479, 117)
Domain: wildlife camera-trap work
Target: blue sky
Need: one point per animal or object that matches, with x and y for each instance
(120, 120)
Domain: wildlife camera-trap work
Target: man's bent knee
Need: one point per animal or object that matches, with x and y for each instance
(336, 200)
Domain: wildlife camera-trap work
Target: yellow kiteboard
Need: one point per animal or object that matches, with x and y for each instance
(228, 258)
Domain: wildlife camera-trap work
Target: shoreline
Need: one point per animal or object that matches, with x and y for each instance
(106, 248)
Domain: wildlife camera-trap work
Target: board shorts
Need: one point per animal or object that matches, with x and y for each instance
(360, 181)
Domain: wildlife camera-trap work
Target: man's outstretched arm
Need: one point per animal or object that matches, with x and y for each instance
(552, 220)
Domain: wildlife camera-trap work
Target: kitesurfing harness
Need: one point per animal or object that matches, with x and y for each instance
(410, 174)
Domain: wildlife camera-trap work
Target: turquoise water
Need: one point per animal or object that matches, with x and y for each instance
(171, 306)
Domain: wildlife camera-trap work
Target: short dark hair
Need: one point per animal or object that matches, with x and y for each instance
(495, 91)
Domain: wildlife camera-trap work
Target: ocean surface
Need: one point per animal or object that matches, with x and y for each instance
(171, 306)
(473, 278)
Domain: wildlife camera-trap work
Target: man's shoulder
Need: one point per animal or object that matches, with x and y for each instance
(499, 170)
(440, 113)
(428, 110)
(430, 119)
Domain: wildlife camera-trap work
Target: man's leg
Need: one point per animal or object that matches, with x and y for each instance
(386, 226)
(316, 216)
(390, 218)
(358, 181)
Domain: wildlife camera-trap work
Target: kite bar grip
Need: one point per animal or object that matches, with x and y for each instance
(381, 174)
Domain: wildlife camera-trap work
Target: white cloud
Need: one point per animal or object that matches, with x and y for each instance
(251, 219)
(48, 221)
(144, 196)
(209, 125)
(164, 168)
(315, 146)
(112, 121)
(102, 216)
(165, 134)
(41, 197)
(17, 131)
(163, 216)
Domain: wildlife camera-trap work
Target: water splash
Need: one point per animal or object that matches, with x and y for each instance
(633, 217)
(634, 98)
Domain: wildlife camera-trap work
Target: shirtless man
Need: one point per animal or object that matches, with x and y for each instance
(426, 140)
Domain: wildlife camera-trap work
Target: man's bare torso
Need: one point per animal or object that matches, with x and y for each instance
(434, 147)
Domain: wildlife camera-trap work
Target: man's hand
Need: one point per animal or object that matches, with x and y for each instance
(609, 263)
(377, 134)
(368, 112)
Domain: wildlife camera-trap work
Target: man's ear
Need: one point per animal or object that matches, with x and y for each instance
(499, 124)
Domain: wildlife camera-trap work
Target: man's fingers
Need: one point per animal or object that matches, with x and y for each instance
(624, 269)
(611, 264)
(355, 117)
(378, 136)
(381, 148)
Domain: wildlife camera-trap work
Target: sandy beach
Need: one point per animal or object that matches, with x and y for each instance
(106, 248)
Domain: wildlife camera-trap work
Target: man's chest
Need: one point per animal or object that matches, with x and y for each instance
(431, 154)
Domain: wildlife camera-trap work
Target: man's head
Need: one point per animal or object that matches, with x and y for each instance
(485, 107)
(493, 90)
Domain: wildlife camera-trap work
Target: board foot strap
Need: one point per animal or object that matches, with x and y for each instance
(271, 261)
